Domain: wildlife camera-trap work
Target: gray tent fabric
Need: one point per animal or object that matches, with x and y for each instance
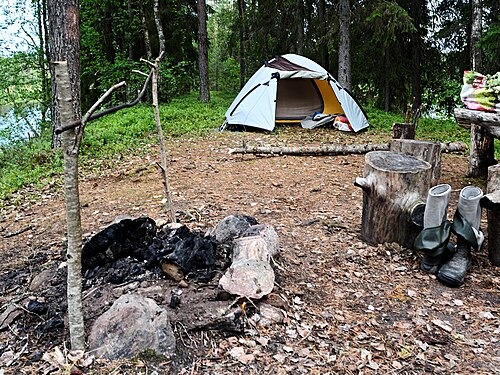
(291, 88)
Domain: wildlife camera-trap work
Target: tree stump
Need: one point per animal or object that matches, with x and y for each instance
(394, 187)
(491, 201)
(401, 130)
(423, 150)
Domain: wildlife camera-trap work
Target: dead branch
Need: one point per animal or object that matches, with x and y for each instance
(20, 231)
(332, 149)
(108, 111)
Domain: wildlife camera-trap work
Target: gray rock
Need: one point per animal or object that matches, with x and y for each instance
(248, 278)
(232, 226)
(267, 233)
(132, 325)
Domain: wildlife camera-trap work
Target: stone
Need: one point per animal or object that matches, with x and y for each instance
(248, 278)
(267, 233)
(132, 325)
(42, 279)
(232, 226)
(270, 315)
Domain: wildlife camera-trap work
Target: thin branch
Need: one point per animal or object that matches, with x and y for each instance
(105, 112)
(94, 107)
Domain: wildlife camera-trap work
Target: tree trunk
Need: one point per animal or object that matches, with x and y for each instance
(45, 101)
(481, 147)
(145, 31)
(323, 45)
(475, 36)
(72, 199)
(403, 130)
(394, 186)
(344, 76)
(242, 31)
(300, 27)
(64, 36)
(482, 152)
(423, 150)
(491, 201)
(159, 27)
(64, 31)
(416, 52)
(387, 83)
(203, 52)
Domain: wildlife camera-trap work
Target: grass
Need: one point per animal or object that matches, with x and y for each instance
(35, 164)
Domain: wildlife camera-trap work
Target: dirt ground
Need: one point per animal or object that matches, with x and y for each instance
(350, 308)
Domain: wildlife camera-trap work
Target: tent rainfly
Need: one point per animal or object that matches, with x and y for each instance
(293, 88)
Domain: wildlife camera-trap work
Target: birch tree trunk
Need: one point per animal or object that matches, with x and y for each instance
(476, 29)
(344, 75)
(72, 200)
(64, 33)
(203, 52)
(159, 27)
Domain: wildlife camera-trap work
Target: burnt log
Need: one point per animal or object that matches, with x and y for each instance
(394, 187)
(423, 150)
(491, 201)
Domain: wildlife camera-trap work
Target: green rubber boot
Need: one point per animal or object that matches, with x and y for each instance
(433, 239)
(465, 225)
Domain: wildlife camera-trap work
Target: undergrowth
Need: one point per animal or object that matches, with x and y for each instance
(34, 163)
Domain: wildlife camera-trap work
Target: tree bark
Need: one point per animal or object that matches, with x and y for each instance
(323, 45)
(344, 76)
(64, 37)
(72, 199)
(242, 31)
(333, 149)
(203, 52)
(159, 27)
(145, 31)
(482, 152)
(394, 186)
(300, 27)
(416, 52)
(491, 202)
(475, 36)
(403, 130)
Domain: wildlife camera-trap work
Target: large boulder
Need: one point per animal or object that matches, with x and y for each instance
(132, 325)
(248, 278)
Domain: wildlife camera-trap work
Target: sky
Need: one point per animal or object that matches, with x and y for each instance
(11, 35)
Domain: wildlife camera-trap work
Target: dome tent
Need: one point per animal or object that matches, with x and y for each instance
(293, 88)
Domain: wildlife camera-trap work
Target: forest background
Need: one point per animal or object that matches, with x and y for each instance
(400, 53)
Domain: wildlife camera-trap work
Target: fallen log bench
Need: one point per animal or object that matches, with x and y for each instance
(491, 202)
(484, 127)
(394, 188)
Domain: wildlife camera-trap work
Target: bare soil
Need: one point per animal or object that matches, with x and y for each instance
(350, 307)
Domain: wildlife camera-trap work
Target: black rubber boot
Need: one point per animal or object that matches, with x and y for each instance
(433, 239)
(433, 242)
(466, 226)
(454, 271)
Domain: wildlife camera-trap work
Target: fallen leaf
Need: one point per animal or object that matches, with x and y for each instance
(445, 326)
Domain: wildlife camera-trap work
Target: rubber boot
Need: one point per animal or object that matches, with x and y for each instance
(433, 239)
(466, 224)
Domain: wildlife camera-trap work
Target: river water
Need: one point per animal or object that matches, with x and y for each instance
(15, 127)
